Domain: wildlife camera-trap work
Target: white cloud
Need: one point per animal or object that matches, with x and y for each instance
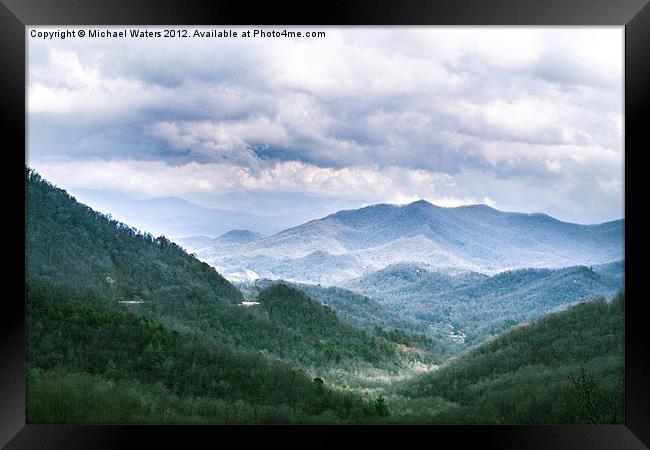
(386, 114)
(220, 138)
(157, 178)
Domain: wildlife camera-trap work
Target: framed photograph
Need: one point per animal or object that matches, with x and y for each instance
(360, 218)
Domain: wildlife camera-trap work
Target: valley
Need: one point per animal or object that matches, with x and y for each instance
(384, 314)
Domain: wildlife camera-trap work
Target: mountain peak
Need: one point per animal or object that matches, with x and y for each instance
(421, 202)
(238, 236)
(426, 203)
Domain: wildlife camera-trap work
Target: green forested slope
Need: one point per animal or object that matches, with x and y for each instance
(564, 368)
(124, 327)
(481, 306)
(71, 245)
(92, 363)
(365, 313)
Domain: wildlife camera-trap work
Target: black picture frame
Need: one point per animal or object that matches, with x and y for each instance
(15, 15)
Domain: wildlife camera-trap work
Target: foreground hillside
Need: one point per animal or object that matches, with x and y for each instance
(567, 367)
(352, 243)
(91, 362)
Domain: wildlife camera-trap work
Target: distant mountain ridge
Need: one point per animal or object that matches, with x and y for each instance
(173, 216)
(238, 236)
(475, 237)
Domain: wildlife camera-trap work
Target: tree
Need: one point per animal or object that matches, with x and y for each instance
(111, 368)
(584, 389)
(381, 407)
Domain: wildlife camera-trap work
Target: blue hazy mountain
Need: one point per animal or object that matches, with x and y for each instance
(238, 237)
(295, 207)
(470, 238)
(614, 270)
(229, 237)
(477, 232)
(173, 216)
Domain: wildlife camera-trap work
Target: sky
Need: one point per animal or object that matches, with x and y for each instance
(519, 118)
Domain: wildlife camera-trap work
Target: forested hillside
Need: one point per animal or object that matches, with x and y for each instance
(474, 306)
(69, 243)
(69, 246)
(371, 315)
(567, 367)
(91, 362)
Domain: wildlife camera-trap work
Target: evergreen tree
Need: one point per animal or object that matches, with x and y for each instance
(381, 407)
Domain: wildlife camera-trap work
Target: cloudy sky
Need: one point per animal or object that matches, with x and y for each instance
(523, 119)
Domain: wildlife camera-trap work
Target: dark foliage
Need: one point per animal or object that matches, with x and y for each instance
(564, 368)
(82, 338)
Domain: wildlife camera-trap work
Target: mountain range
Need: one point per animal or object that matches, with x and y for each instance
(352, 243)
(200, 213)
(124, 327)
(296, 207)
(174, 216)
